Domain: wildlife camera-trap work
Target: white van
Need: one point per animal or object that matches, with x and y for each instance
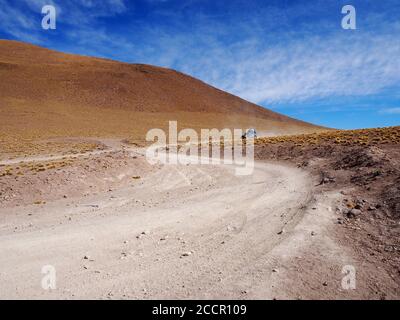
(250, 133)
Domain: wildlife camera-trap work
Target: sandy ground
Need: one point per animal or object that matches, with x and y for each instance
(182, 231)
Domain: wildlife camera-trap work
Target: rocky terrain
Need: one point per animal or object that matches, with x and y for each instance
(364, 167)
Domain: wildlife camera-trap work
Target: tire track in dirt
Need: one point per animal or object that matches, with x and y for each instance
(223, 226)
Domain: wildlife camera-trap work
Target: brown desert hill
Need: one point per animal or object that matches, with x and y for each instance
(47, 94)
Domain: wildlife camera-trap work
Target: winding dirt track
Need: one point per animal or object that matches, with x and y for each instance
(207, 233)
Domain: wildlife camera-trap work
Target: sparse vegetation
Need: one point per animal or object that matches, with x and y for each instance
(12, 148)
(35, 167)
(364, 137)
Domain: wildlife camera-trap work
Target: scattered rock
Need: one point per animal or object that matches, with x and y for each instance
(281, 232)
(328, 180)
(353, 213)
(124, 255)
(187, 254)
(142, 234)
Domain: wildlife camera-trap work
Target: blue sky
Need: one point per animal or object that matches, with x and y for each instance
(289, 56)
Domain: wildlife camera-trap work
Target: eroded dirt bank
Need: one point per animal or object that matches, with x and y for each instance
(364, 168)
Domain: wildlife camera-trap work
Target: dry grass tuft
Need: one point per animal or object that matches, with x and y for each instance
(363, 137)
(11, 148)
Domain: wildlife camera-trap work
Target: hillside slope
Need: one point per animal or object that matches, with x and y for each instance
(48, 94)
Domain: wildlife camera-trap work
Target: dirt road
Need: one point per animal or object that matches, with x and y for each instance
(193, 231)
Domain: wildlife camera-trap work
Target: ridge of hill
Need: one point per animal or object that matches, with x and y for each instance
(46, 94)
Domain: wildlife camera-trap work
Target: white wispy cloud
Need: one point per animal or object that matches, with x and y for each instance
(25, 17)
(17, 23)
(259, 57)
(88, 8)
(312, 67)
(78, 17)
(294, 71)
(390, 111)
(269, 67)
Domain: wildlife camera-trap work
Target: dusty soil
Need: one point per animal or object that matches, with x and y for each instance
(364, 167)
(116, 227)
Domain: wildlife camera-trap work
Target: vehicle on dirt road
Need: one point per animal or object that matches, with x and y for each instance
(250, 133)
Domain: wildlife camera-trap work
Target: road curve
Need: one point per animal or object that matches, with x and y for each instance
(192, 231)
